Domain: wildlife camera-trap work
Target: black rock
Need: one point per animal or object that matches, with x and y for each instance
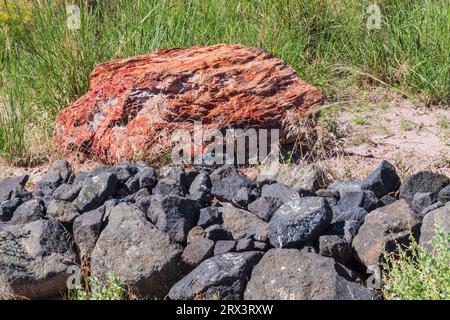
(216, 233)
(265, 207)
(145, 178)
(86, 230)
(8, 207)
(430, 208)
(200, 188)
(174, 215)
(364, 199)
(63, 211)
(444, 195)
(241, 198)
(422, 200)
(303, 192)
(121, 172)
(11, 186)
(166, 187)
(209, 216)
(341, 214)
(423, 181)
(224, 246)
(245, 245)
(144, 202)
(227, 184)
(298, 221)
(141, 193)
(58, 174)
(278, 191)
(197, 251)
(95, 191)
(67, 192)
(387, 199)
(220, 277)
(27, 212)
(335, 247)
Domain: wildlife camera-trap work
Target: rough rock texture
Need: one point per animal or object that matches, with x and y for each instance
(381, 230)
(86, 230)
(138, 98)
(423, 181)
(288, 274)
(298, 221)
(440, 216)
(220, 277)
(141, 255)
(306, 176)
(34, 258)
(198, 251)
(11, 185)
(27, 212)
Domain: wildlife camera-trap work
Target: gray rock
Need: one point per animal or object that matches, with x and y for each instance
(34, 258)
(241, 223)
(67, 192)
(216, 233)
(8, 207)
(145, 178)
(444, 195)
(279, 191)
(294, 176)
(422, 200)
(288, 274)
(198, 251)
(364, 199)
(387, 199)
(351, 228)
(209, 216)
(86, 230)
(265, 207)
(383, 229)
(298, 221)
(430, 208)
(423, 181)
(439, 217)
(96, 191)
(166, 187)
(228, 183)
(144, 202)
(335, 247)
(220, 277)
(122, 172)
(261, 246)
(383, 180)
(200, 188)
(245, 245)
(342, 214)
(27, 212)
(142, 256)
(242, 198)
(12, 185)
(224, 246)
(63, 211)
(58, 174)
(174, 215)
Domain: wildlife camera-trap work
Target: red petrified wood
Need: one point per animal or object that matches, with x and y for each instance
(132, 104)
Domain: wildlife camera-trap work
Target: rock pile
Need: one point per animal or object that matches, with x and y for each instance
(211, 232)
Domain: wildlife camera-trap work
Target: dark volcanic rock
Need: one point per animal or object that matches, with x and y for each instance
(11, 186)
(423, 181)
(198, 251)
(279, 191)
(422, 200)
(441, 217)
(67, 192)
(167, 187)
(226, 185)
(86, 230)
(265, 207)
(209, 216)
(141, 255)
(335, 247)
(145, 178)
(8, 207)
(95, 191)
(63, 211)
(34, 258)
(245, 245)
(298, 221)
(288, 274)
(224, 246)
(220, 277)
(174, 215)
(200, 188)
(383, 229)
(27, 212)
(444, 195)
(216, 233)
(58, 174)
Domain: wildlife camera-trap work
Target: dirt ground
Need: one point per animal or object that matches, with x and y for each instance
(375, 128)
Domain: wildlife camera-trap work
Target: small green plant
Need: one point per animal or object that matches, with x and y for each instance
(414, 273)
(111, 288)
(359, 120)
(360, 139)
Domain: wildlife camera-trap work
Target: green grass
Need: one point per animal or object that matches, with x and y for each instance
(45, 66)
(111, 288)
(414, 273)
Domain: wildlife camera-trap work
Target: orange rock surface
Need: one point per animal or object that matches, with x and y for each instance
(133, 104)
